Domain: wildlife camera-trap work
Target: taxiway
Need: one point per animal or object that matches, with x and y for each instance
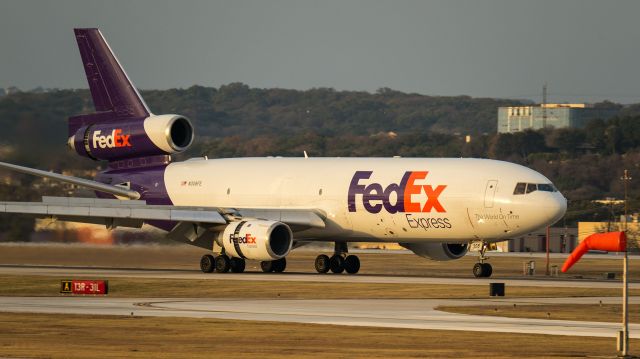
(389, 313)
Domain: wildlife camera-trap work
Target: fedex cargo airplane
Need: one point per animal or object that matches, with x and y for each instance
(261, 208)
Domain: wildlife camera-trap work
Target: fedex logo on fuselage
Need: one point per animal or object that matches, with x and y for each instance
(375, 197)
(115, 139)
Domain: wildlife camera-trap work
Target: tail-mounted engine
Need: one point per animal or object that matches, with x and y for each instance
(155, 135)
(256, 239)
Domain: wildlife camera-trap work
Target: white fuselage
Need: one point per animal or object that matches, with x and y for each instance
(366, 199)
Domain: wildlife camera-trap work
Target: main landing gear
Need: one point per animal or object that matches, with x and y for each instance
(339, 262)
(224, 264)
(221, 264)
(482, 269)
(277, 266)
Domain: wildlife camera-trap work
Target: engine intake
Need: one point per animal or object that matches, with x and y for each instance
(256, 239)
(171, 133)
(438, 251)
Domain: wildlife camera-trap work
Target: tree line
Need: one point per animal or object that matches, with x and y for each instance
(235, 120)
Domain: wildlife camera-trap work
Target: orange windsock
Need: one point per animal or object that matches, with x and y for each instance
(610, 242)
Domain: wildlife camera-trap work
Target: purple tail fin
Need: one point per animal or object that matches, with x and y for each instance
(122, 129)
(114, 95)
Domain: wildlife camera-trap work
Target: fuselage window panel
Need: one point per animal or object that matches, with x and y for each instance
(531, 187)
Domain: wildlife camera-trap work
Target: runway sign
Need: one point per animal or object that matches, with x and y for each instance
(93, 287)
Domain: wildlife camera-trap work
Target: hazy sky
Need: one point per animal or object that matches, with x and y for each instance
(585, 50)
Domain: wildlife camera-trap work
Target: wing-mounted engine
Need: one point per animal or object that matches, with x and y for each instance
(154, 135)
(438, 251)
(256, 239)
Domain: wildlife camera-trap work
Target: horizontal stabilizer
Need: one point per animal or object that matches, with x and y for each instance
(94, 185)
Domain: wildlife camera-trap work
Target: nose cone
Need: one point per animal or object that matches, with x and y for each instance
(555, 207)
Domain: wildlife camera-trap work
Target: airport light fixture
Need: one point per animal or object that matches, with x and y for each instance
(623, 342)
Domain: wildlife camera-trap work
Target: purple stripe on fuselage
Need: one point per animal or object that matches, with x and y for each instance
(148, 181)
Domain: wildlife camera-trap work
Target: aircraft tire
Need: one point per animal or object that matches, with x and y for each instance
(279, 265)
(337, 264)
(266, 266)
(352, 264)
(207, 263)
(478, 270)
(223, 263)
(237, 265)
(487, 270)
(322, 263)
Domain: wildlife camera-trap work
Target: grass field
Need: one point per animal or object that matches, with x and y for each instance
(13, 285)
(73, 336)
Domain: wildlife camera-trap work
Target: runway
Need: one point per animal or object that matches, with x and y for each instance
(391, 313)
(387, 313)
(64, 271)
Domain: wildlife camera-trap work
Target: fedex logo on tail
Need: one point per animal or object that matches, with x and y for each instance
(375, 197)
(115, 139)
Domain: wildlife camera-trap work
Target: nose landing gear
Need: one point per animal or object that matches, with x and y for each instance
(482, 269)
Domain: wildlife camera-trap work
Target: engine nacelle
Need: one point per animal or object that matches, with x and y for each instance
(151, 136)
(438, 251)
(256, 239)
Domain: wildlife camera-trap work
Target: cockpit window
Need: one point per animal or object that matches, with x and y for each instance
(546, 187)
(520, 187)
(525, 188)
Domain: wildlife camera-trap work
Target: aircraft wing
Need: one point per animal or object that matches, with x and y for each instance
(133, 213)
(112, 212)
(297, 219)
(193, 225)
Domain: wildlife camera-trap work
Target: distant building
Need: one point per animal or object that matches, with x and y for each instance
(520, 118)
(561, 240)
(11, 90)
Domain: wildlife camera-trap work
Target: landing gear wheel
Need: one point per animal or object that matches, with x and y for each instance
(323, 263)
(223, 264)
(279, 265)
(482, 270)
(478, 270)
(336, 264)
(487, 270)
(266, 266)
(207, 263)
(352, 264)
(237, 265)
